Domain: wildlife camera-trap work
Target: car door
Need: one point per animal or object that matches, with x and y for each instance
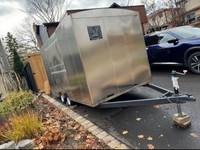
(164, 51)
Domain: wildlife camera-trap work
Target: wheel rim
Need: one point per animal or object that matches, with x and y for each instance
(62, 98)
(68, 101)
(195, 63)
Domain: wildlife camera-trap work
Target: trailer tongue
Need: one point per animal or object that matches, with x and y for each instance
(167, 97)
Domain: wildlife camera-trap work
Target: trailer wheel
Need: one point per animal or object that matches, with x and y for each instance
(69, 102)
(63, 99)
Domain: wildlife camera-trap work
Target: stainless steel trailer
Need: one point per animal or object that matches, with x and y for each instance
(94, 56)
(97, 55)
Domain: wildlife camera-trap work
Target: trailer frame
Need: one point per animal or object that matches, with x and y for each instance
(167, 97)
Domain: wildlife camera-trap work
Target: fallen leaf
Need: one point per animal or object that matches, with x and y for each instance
(56, 138)
(77, 137)
(140, 136)
(166, 107)
(83, 147)
(164, 117)
(139, 144)
(124, 132)
(90, 137)
(71, 136)
(41, 146)
(150, 146)
(156, 106)
(168, 145)
(194, 134)
(161, 135)
(86, 115)
(118, 146)
(138, 119)
(150, 138)
(47, 115)
(88, 141)
(100, 141)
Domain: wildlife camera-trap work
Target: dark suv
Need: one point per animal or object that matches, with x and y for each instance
(179, 45)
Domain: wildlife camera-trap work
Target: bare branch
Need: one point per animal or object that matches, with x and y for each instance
(45, 11)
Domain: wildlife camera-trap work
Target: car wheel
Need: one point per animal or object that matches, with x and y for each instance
(62, 98)
(194, 62)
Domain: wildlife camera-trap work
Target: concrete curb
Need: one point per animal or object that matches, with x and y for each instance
(95, 130)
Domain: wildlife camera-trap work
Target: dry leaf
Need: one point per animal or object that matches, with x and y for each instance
(166, 107)
(161, 135)
(77, 137)
(118, 146)
(83, 147)
(90, 137)
(138, 119)
(124, 132)
(41, 146)
(88, 141)
(194, 134)
(164, 116)
(100, 141)
(156, 106)
(140, 136)
(150, 146)
(150, 138)
(56, 138)
(86, 115)
(47, 115)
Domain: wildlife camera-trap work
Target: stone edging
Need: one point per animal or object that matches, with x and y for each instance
(98, 132)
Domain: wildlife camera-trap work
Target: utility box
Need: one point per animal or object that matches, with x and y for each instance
(97, 55)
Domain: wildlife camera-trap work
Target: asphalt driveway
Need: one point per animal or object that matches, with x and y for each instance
(148, 124)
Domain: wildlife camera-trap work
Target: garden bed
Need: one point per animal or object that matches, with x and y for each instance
(61, 131)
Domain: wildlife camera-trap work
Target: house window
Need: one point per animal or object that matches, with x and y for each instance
(191, 18)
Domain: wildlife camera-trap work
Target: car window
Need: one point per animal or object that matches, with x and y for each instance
(164, 37)
(151, 40)
(187, 32)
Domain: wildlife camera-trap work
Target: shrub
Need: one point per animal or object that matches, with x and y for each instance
(23, 126)
(15, 101)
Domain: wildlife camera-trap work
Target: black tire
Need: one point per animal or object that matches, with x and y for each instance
(194, 62)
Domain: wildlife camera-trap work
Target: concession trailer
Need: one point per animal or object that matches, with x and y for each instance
(97, 55)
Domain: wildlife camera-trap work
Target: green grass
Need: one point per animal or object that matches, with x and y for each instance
(15, 101)
(23, 126)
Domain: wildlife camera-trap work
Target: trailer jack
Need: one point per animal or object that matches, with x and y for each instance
(181, 119)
